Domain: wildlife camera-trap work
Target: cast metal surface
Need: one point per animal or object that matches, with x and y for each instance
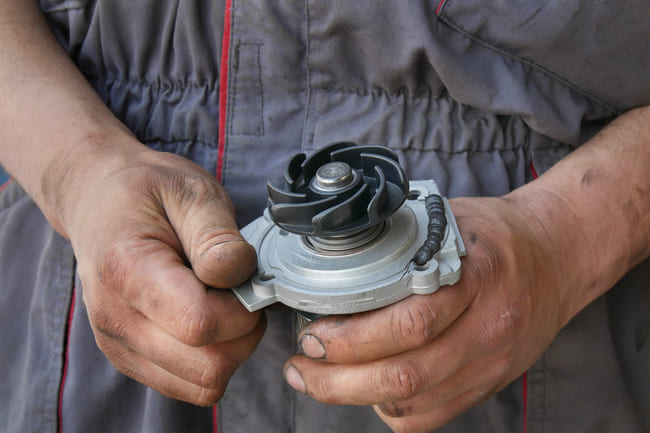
(364, 261)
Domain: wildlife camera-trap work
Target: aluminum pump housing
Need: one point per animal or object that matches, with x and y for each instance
(345, 232)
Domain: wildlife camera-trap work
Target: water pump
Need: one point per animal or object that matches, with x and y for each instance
(345, 232)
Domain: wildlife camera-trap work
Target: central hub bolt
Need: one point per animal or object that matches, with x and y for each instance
(332, 177)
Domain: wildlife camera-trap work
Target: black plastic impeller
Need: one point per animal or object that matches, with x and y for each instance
(340, 190)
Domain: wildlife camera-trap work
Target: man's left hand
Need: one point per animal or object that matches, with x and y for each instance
(425, 360)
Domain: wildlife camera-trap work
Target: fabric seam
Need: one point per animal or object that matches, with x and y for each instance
(380, 91)
(6, 184)
(308, 123)
(57, 337)
(224, 88)
(110, 77)
(234, 94)
(441, 7)
(536, 66)
(517, 147)
(66, 355)
(176, 140)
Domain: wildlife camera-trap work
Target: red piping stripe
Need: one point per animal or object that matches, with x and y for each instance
(525, 392)
(533, 171)
(223, 89)
(65, 359)
(6, 184)
(223, 103)
(439, 6)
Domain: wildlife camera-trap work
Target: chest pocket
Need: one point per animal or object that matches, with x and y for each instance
(600, 47)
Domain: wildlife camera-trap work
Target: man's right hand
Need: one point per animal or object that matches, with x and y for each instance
(153, 233)
(155, 239)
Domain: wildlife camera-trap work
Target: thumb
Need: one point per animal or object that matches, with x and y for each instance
(204, 221)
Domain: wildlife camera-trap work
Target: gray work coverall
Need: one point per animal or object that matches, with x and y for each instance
(477, 95)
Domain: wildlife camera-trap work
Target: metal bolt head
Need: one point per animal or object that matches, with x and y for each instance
(332, 177)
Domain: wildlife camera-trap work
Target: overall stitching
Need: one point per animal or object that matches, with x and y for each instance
(452, 24)
(66, 358)
(110, 77)
(308, 123)
(63, 281)
(226, 44)
(230, 90)
(235, 68)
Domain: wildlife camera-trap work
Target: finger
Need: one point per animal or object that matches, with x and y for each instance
(203, 217)
(139, 368)
(202, 366)
(429, 421)
(399, 377)
(482, 374)
(406, 325)
(403, 376)
(153, 280)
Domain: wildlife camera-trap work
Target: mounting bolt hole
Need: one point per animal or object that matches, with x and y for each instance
(413, 195)
(421, 268)
(266, 277)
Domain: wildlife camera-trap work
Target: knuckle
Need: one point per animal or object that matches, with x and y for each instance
(327, 390)
(476, 396)
(124, 360)
(220, 258)
(198, 186)
(217, 261)
(510, 322)
(486, 263)
(191, 189)
(402, 425)
(401, 380)
(112, 271)
(395, 409)
(100, 319)
(213, 375)
(415, 324)
(503, 366)
(197, 327)
(104, 322)
(107, 346)
(505, 325)
(208, 396)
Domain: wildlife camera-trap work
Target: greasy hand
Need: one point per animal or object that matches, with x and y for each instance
(426, 359)
(152, 233)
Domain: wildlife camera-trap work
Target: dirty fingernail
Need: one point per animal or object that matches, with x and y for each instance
(312, 347)
(293, 377)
